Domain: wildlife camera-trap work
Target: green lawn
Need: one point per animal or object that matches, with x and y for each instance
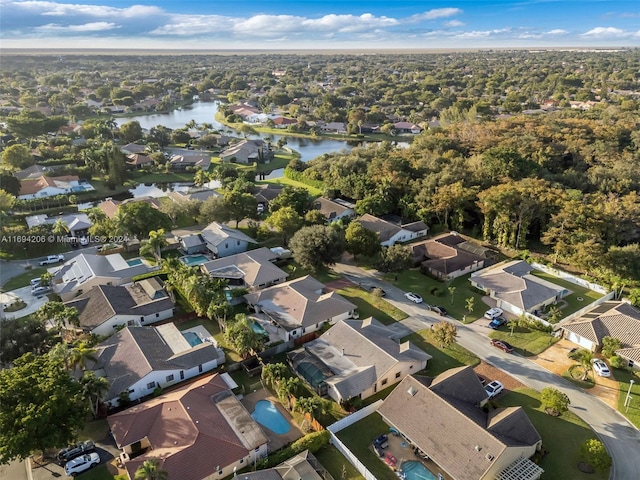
(561, 436)
(435, 292)
(525, 341)
(313, 191)
(294, 270)
(280, 160)
(335, 463)
(443, 358)
(573, 304)
(22, 280)
(370, 305)
(162, 177)
(358, 438)
(633, 412)
(101, 472)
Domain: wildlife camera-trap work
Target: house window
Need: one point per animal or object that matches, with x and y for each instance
(398, 375)
(303, 329)
(220, 472)
(242, 460)
(157, 315)
(151, 385)
(142, 319)
(200, 368)
(410, 367)
(226, 245)
(181, 374)
(132, 390)
(169, 378)
(131, 322)
(238, 242)
(383, 382)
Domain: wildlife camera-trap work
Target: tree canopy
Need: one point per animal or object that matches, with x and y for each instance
(317, 246)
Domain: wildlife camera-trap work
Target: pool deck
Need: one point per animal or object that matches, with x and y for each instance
(406, 454)
(276, 441)
(203, 333)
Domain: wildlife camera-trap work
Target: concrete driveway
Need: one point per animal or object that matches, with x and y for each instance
(24, 294)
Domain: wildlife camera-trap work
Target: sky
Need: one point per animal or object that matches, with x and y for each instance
(316, 24)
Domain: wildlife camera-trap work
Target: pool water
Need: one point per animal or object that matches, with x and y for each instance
(192, 260)
(192, 338)
(134, 262)
(267, 415)
(256, 327)
(416, 471)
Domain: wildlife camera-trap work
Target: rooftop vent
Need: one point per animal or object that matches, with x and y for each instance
(412, 391)
(489, 457)
(478, 448)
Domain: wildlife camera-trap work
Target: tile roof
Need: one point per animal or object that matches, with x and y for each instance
(444, 421)
(109, 207)
(299, 303)
(193, 431)
(30, 186)
(138, 159)
(255, 267)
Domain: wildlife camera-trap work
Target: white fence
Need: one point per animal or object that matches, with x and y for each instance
(342, 448)
(571, 278)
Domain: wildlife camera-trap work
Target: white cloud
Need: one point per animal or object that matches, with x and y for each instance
(454, 23)
(557, 31)
(436, 13)
(610, 32)
(482, 33)
(71, 9)
(87, 27)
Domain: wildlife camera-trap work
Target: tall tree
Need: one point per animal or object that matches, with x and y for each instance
(444, 333)
(394, 259)
(140, 218)
(16, 157)
(240, 205)
(94, 388)
(297, 198)
(286, 221)
(154, 245)
(361, 241)
(131, 131)
(317, 246)
(42, 407)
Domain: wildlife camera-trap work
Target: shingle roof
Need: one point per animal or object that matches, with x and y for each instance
(456, 434)
(384, 229)
(299, 303)
(254, 266)
(193, 431)
(444, 256)
(329, 208)
(215, 233)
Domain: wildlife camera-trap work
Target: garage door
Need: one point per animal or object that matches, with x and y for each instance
(577, 339)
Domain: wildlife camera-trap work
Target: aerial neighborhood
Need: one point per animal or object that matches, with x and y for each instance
(415, 266)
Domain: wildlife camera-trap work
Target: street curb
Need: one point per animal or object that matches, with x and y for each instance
(27, 465)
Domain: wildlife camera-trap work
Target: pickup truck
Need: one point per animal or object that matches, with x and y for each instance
(52, 259)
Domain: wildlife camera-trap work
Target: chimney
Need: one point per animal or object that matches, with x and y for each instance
(343, 352)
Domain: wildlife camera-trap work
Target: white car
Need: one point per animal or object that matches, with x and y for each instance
(84, 241)
(601, 368)
(493, 388)
(413, 297)
(493, 313)
(81, 464)
(51, 259)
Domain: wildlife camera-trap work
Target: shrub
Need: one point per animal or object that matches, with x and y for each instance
(595, 454)
(554, 400)
(313, 442)
(617, 361)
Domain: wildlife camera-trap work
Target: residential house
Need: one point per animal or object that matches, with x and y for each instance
(407, 127)
(109, 206)
(77, 224)
(253, 269)
(34, 171)
(199, 195)
(82, 272)
(516, 289)
(444, 420)
(303, 466)
(198, 432)
(442, 257)
(192, 244)
(334, 127)
(44, 186)
(133, 148)
(137, 160)
(614, 319)
(336, 209)
(390, 233)
(103, 308)
(283, 122)
(247, 151)
(223, 241)
(193, 160)
(265, 194)
(300, 306)
(356, 359)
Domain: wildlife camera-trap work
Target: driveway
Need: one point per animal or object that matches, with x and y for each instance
(24, 294)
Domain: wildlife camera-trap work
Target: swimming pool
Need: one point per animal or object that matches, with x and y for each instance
(266, 414)
(193, 338)
(416, 471)
(256, 327)
(134, 262)
(192, 260)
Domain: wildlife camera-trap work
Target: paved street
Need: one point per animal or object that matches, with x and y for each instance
(621, 438)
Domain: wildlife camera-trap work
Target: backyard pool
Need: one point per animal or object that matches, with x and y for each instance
(193, 338)
(192, 260)
(134, 262)
(256, 327)
(416, 471)
(266, 414)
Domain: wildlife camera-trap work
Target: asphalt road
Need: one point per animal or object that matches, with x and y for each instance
(621, 438)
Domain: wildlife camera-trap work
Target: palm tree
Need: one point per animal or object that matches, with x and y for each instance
(584, 358)
(94, 387)
(62, 354)
(150, 470)
(155, 244)
(59, 227)
(80, 354)
(201, 177)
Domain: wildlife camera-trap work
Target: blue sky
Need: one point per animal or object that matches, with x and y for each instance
(313, 24)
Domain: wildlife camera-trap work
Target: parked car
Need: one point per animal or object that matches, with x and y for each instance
(84, 241)
(497, 322)
(51, 259)
(493, 313)
(413, 297)
(373, 289)
(439, 310)
(39, 291)
(493, 388)
(502, 345)
(73, 451)
(81, 464)
(35, 282)
(601, 368)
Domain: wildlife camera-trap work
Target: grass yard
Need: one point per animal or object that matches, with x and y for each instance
(443, 358)
(624, 378)
(435, 292)
(575, 373)
(573, 304)
(335, 463)
(561, 436)
(358, 438)
(370, 305)
(280, 160)
(526, 342)
(162, 177)
(22, 280)
(296, 271)
(101, 472)
(313, 191)
(95, 430)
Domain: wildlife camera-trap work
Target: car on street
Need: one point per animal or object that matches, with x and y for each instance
(502, 345)
(493, 388)
(413, 297)
(601, 368)
(51, 259)
(439, 310)
(493, 313)
(497, 322)
(81, 464)
(75, 450)
(84, 241)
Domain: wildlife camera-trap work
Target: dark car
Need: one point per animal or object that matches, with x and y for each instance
(73, 451)
(373, 289)
(497, 322)
(439, 310)
(381, 440)
(502, 345)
